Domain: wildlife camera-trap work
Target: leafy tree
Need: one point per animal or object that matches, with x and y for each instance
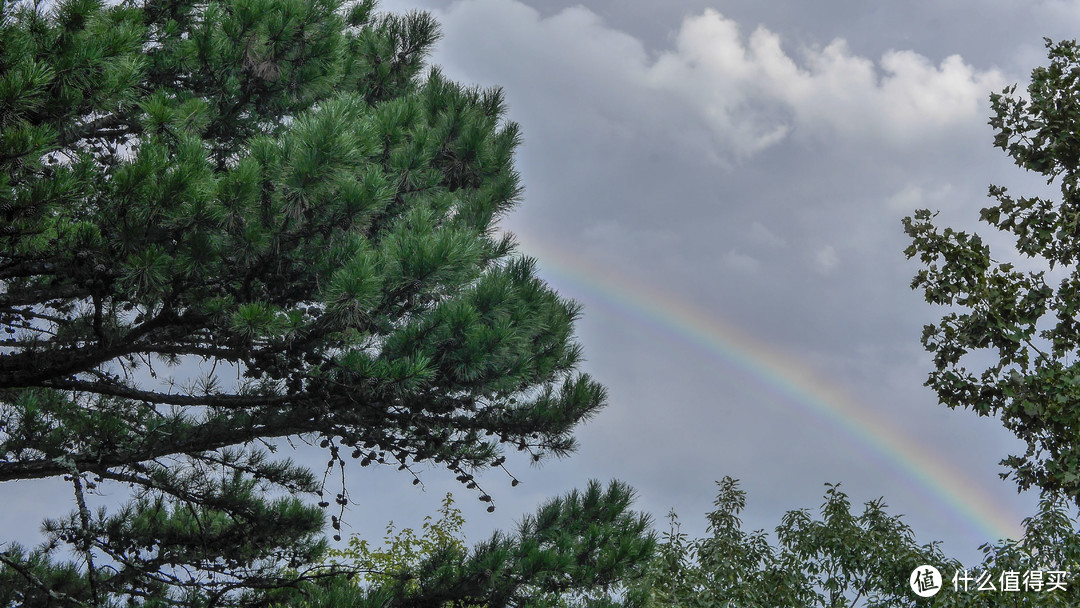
(1051, 544)
(579, 550)
(1010, 345)
(231, 223)
(842, 559)
(402, 550)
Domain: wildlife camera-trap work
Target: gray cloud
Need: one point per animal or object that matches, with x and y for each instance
(761, 179)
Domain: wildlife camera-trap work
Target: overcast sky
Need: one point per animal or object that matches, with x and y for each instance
(721, 185)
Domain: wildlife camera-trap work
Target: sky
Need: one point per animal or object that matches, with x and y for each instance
(721, 185)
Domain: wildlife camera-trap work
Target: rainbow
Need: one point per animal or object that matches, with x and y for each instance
(786, 376)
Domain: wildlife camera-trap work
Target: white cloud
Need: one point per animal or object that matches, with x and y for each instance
(753, 92)
(761, 235)
(748, 92)
(825, 260)
(740, 262)
(913, 197)
(613, 235)
(907, 200)
(1067, 11)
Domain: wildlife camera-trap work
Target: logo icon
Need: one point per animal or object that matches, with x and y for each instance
(925, 581)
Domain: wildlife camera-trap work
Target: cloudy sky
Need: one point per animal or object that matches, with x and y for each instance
(721, 184)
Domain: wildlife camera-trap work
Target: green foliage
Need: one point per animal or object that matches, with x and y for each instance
(1051, 543)
(581, 549)
(402, 550)
(1025, 321)
(226, 224)
(839, 559)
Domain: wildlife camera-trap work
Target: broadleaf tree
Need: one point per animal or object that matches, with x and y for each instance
(584, 549)
(229, 224)
(402, 550)
(1009, 346)
(844, 558)
(1037, 570)
(840, 558)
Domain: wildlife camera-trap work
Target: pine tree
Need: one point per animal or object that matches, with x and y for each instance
(579, 550)
(234, 222)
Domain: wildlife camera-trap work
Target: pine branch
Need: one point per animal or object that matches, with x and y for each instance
(29, 576)
(85, 535)
(112, 126)
(222, 401)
